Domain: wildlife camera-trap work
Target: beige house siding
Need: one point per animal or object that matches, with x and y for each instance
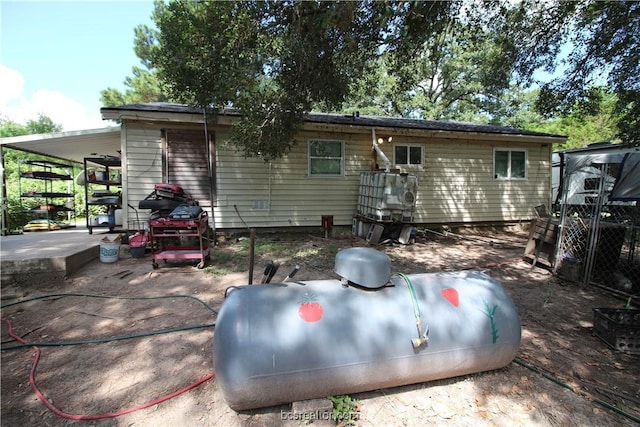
(458, 184)
(142, 167)
(456, 179)
(281, 193)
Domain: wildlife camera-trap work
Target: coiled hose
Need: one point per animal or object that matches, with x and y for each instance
(36, 346)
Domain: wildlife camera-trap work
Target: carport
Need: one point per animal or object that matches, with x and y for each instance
(72, 146)
(55, 252)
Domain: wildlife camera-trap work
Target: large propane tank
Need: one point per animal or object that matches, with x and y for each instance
(285, 342)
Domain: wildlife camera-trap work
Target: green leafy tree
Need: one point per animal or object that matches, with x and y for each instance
(142, 87)
(458, 74)
(605, 46)
(516, 108)
(585, 126)
(12, 159)
(9, 128)
(42, 124)
(276, 60)
(582, 127)
(371, 94)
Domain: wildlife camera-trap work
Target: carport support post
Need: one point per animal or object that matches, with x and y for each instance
(4, 227)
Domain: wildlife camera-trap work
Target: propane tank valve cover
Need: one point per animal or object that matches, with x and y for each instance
(365, 267)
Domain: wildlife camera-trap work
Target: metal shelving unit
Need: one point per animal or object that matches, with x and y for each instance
(50, 204)
(103, 183)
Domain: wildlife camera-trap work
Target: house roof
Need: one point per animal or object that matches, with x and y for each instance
(341, 119)
(71, 146)
(76, 145)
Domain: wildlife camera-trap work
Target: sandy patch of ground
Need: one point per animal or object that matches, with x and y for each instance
(563, 375)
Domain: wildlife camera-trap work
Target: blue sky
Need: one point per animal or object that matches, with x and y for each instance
(56, 57)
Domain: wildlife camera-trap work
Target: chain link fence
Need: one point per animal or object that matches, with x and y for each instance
(599, 239)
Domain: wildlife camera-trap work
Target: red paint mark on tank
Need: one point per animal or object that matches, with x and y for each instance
(310, 310)
(451, 295)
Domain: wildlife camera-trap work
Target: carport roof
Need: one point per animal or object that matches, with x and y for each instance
(71, 146)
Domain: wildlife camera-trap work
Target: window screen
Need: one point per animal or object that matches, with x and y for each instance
(408, 154)
(326, 158)
(510, 164)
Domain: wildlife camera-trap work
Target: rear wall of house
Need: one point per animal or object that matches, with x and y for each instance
(456, 181)
(459, 186)
(254, 193)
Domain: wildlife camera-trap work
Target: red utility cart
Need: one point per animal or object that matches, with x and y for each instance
(176, 238)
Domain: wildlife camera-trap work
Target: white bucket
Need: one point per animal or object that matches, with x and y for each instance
(109, 251)
(103, 219)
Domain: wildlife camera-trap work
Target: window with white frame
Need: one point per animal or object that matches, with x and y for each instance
(509, 163)
(407, 154)
(326, 157)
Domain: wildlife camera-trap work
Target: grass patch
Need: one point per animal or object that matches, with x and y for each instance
(233, 257)
(219, 271)
(273, 249)
(226, 261)
(226, 257)
(307, 253)
(332, 250)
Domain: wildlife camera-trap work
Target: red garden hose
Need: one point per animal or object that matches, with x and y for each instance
(41, 396)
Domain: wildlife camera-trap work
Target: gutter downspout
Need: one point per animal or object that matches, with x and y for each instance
(4, 214)
(385, 159)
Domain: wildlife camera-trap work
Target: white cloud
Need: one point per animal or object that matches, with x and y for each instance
(11, 84)
(68, 112)
(71, 114)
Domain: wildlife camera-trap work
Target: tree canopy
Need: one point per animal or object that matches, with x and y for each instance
(604, 37)
(42, 124)
(275, 60)
(143, 87)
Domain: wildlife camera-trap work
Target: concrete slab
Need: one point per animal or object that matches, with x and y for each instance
(47, 253)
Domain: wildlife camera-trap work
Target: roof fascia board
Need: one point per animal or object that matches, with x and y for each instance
(163, 117)
(226, 120)
(151, 116)
(446, 134)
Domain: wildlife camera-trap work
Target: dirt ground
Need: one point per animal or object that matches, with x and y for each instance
(562, 375)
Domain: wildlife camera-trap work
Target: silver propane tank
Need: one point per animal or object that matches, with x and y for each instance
(285, 342)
